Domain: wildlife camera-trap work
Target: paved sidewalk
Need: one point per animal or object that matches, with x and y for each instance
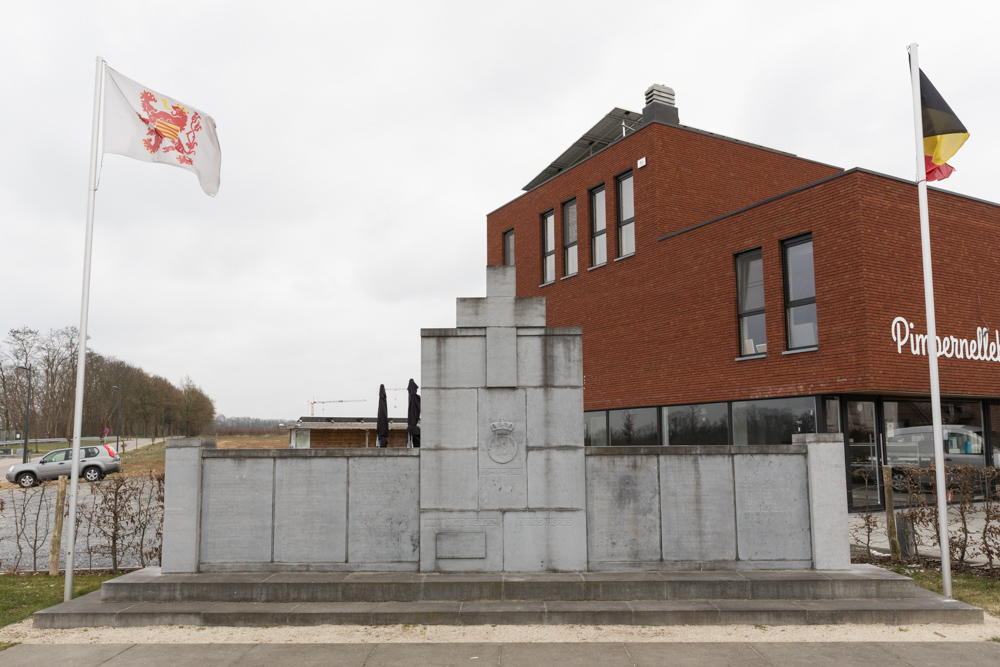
(953, 654)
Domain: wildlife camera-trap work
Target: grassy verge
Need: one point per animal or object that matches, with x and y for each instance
(252, 441)
(151, 458)
(982, 592)
(21, 595)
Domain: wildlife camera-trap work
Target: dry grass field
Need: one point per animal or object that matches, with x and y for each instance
(279, 441)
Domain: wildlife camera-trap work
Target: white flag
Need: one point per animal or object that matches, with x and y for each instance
(141, 123)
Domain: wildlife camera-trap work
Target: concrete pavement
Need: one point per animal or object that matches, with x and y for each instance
(751, 654)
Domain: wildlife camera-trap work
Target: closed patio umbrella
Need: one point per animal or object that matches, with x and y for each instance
(382, 423)
(413, 414)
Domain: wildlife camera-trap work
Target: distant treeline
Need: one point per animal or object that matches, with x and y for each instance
(248, 426)
(151, 406)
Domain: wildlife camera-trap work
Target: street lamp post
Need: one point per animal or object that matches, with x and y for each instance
(27, 413)
(119, 427)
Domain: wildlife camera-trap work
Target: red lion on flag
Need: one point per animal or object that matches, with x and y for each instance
(169, 125)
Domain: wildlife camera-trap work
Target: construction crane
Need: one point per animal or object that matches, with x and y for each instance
(313, 403)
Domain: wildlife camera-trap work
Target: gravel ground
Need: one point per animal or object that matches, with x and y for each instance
(360, 634)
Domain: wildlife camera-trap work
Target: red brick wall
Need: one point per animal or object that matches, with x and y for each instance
(660, 327)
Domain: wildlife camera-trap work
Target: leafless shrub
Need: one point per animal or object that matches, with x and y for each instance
(32, 524)
(869, 521)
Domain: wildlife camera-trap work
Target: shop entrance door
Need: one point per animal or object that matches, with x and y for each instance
(864, 469)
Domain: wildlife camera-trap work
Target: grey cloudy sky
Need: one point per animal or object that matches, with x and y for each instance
(363, 145)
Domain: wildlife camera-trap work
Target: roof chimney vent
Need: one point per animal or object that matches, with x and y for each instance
(660, 106)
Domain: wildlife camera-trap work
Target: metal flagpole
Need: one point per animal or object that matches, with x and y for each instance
(932, 340)
(81, 357)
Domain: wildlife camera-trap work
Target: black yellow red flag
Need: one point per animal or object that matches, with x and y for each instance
(944, 133)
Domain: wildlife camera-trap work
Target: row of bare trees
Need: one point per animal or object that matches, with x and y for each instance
(150, 405)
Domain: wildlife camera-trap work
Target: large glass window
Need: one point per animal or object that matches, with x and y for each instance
(548, 247)
(693, 425)
(800, 293)
(750, 302)
(598, 228)
(773, 421)
(909, 433)
(635, 427)
(508, 247)
(995, 434)
(595, 428)
(626, 216)
(569, 237)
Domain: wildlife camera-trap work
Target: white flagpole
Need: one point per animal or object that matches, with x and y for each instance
(81, 358)
(932, 353)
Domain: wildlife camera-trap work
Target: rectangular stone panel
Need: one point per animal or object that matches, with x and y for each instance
(461, 545)
(181, 509)
(831, 544)
(449, 479)
(502, 460)
(554, 417)
(545, 541)
(236, 510)
(454, 360)
(698, 508)
(501, 281)
(498, 311)
(549, 360)
(448, 418)
(501, 357)
(310, 510)
(383, 510)
(556, 479)
(433, 524)
(772, 507)
(623, 508)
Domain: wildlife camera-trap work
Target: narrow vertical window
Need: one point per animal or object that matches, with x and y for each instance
(750, 302)
(548, 247)
(598, 228)
(800, 293)
(508, 247)
(569, 237)
(626, 216)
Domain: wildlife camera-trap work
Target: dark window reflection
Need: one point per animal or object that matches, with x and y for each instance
(773, 422)
(696, 425)
(635, 427)
(595, 429)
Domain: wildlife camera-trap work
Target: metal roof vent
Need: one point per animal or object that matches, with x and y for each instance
(660, 106)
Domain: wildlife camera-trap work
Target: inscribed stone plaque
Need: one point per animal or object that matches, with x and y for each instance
(488, 524)
(236, 510)
(540, 541)
(698, 508)
(449, 479)
(556, 479)
(383, 510)
(461, 545)
(310, 510)
(772, 507)
(502, 485)
(623, 508)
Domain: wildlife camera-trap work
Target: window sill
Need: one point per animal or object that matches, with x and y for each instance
(572, 275)
(801, 350)
(752, 356)
(597, 266)
(551, 282)
(618, 259)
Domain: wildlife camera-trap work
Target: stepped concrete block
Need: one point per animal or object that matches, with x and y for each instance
(556, 478)
(448, 419)
(332, 613)
(142, 614)
(502, 482)
(499, 311)
(550, 357)
(463, 587)
(417, 613)
(674, 612)
(302, 587)
(236, 510)
(181, 507)
(307, 531)
(624, 586)
(491, 612)
(831, 546)
(772, 508)
(501, 281)
(488, 525)
(451, 358)
(449, 479)
(544, 586)
(698, 507)
(501, 357)
(383, 510)
(563, 612)
(762, 612)
(382, 587)
(84, 611)
(248, 614)
(555, 417)
(623, 508)
(538, 541)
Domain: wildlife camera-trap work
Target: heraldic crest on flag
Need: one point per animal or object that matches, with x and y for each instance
(146, 125)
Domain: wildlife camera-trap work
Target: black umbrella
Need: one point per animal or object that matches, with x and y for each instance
(382, 423)
(413, 413)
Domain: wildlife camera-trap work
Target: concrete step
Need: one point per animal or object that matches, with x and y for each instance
(91, 611)
(861, 582)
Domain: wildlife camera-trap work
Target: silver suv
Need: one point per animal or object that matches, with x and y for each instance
(96, 462)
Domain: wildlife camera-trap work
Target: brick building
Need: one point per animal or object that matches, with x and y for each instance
(731, 294)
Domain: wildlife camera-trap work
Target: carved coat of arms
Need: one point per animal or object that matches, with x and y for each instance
(502, 447)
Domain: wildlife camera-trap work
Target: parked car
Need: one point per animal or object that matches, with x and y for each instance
(95, 463)
(913, 447)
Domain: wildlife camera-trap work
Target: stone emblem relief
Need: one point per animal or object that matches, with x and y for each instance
(502, 447)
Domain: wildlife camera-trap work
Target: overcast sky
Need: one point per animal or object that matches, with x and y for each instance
(363, 145)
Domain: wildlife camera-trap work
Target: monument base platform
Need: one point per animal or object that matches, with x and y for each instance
(864, 594)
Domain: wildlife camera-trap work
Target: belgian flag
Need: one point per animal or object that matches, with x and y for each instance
(944, 133)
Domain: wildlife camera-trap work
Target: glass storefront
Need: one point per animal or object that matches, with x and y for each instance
(635, 427)
(773, 421)
(694, 425)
